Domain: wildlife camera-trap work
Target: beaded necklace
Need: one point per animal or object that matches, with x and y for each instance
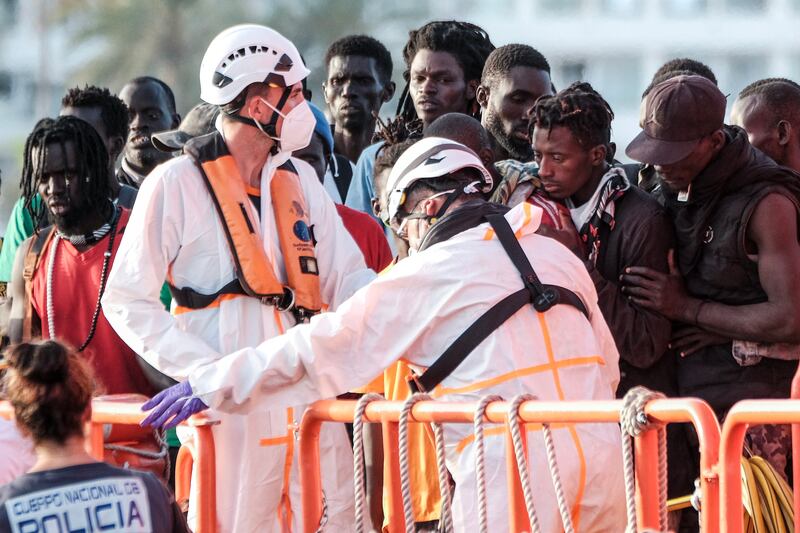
(78, 240)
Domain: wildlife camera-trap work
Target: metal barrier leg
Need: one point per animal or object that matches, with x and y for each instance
(647, 487)
(796, 451)
(207, 478)
(96, 441)
(391, 476)
(183, 471)
(310, 472)
(731, 514)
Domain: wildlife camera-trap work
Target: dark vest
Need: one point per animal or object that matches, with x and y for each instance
(724, 273)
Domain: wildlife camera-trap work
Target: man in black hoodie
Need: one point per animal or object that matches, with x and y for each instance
(733, 274)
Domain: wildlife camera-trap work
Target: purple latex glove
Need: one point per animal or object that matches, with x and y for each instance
(176, 403)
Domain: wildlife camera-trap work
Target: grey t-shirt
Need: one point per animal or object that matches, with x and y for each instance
(89, 497)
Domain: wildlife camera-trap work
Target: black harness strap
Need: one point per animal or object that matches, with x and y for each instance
(188, 297)
(543, 297)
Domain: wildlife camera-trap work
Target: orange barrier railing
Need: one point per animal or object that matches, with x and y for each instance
(200, 453)
(662, 411)
(736, 423)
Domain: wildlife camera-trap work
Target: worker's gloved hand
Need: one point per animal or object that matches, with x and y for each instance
(172, 406)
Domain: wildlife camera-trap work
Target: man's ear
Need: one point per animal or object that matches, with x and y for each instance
(482, 95)
(472, 86)
(487, 157)
(388, 91)
(718, 139)
(784, 132)
(598, 155)
(117, 145)
(325, 93)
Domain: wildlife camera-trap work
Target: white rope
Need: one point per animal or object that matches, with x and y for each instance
(51, 319)
(552, 463)
(634, 421)
(405, 481)
(358, 457)
(522, 460)
(163, 453)
(480, 459)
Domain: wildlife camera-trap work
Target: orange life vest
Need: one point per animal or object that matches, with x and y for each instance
(255, 275)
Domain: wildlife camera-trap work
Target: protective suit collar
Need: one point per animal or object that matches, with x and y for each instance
(466, 216)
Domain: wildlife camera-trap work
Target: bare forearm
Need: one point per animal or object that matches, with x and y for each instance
(763, 322)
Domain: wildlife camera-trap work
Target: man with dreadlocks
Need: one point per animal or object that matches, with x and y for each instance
(619, 225)
(60, 273)
(769, 111)
(109, 117)
(444, 61)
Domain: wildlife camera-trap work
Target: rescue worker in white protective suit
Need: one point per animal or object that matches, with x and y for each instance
(415, 310)
(250, 244)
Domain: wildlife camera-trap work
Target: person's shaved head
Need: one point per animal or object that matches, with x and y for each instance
(769, 111)
(461, 128)
(468, 131)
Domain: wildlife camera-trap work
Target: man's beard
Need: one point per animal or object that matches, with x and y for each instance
(517, 149)
(146, 159)
(65, 223)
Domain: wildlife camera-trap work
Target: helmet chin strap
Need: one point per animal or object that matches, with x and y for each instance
(270, 128)
(450, 198)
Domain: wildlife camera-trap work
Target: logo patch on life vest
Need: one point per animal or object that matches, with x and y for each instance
(308, 265)
(301, 231)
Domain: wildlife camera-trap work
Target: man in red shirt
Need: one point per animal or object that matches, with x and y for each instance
(369, 236)
(60, 272)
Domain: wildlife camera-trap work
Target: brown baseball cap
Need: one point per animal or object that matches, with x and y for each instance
(675, 115)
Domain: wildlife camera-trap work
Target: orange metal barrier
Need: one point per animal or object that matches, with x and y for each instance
(736, 423)
(202, 453)
(663, 411)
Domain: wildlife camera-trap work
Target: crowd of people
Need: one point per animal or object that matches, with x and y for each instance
(263, 253)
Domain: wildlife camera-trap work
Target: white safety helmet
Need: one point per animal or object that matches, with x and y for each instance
(245, 54)
(432, 157)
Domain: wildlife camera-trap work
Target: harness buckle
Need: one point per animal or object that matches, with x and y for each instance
(286, 301)
(545, 300)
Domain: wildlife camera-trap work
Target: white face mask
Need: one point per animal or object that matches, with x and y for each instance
(297, 128)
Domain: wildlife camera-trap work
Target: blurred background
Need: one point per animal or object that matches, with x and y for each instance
(47, 46)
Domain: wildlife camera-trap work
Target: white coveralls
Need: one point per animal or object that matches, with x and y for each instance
(418, 308)
(175, 233)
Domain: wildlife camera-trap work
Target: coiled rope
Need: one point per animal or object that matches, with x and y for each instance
(634, 421)
(480, 459)
(358, 457)
(405, 482)
(162, 453)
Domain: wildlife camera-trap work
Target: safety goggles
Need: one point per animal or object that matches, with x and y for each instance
(403, 217)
